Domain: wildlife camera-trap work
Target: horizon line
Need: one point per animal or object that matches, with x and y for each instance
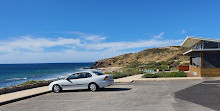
(46, 63)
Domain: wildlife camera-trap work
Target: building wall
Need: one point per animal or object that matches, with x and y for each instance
(203, 72)
(194, 71)
(210, 72)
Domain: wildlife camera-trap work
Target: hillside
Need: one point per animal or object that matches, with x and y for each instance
(154, 58)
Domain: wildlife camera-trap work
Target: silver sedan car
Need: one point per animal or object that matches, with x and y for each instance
(92, 80)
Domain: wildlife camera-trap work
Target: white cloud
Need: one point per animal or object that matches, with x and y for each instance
(159, 36)
(132, 45)
(183, 31)
(36, 44)
(95, 38)
(29, 49)
(90, 37)
(58, 56)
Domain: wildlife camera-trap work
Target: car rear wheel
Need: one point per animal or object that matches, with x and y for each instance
(56, 88)
(93, 87)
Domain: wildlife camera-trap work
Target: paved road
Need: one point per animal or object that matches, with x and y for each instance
(181, 95)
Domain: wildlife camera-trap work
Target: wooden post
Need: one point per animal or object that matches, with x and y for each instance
(201, 54)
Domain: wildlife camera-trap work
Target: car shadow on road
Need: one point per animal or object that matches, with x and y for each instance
(207, 95)
(100, 90)
(114, 89)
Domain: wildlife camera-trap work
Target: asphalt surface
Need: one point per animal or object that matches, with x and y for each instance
(181, 95)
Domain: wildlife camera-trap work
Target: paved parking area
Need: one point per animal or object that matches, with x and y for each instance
(181, 95)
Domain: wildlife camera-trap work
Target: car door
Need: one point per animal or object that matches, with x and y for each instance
(71, 82)
(83, 80)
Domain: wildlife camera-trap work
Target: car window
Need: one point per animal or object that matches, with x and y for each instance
(84, 75)
(74, 76)
(98, 73)
(88, 75)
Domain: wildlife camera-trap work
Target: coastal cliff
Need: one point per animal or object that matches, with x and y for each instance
(172, 55)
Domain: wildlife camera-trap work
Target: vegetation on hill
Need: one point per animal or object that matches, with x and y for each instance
(125, 72)
(163, 58)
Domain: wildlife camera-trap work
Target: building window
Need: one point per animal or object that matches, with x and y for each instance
(197, 46)
(196, 59)
(211, 59)
(208, 45)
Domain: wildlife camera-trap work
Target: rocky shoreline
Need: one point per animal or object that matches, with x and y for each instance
(24, 87)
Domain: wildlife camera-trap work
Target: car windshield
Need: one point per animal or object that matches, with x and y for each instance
(98, 73)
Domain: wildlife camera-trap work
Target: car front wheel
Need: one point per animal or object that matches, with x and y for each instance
(56, 88)
(93, 87)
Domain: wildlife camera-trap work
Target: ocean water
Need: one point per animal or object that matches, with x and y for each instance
(13, 74)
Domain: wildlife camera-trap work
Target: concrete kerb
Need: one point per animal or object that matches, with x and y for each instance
(139, 78)
(168, 79)
(161, 79)
(22, 98)
(24, 94)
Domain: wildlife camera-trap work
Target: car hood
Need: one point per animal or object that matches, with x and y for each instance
(58, 81)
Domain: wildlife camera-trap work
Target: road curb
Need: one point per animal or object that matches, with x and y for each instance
(167, 79)
(124, 81)
(22, 98)
(24, 94)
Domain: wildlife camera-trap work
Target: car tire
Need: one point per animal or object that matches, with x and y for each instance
(93, 87)
(56, 88)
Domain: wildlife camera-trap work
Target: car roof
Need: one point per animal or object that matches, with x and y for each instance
(83, 71)
(80, 72)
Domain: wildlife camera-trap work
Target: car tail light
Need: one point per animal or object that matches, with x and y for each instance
(106, 78)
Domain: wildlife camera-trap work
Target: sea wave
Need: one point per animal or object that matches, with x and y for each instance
(16, 79)
(61, 77)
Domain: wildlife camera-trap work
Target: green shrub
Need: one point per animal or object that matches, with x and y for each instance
(29, 82)
(108, 72)
(32, 82)
(165, 74)
(149, 76)
(185, 64)
(119, 75)
(171, 74)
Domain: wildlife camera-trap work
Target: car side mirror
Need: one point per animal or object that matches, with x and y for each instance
(67, 79)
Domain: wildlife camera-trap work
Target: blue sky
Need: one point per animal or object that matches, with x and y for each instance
(42, 31)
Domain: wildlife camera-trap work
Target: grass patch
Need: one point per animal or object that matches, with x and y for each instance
(165, 74)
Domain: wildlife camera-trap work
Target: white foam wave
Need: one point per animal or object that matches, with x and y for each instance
(16, 79)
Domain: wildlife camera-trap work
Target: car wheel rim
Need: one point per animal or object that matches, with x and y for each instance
(92, 87)
(56, 88)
